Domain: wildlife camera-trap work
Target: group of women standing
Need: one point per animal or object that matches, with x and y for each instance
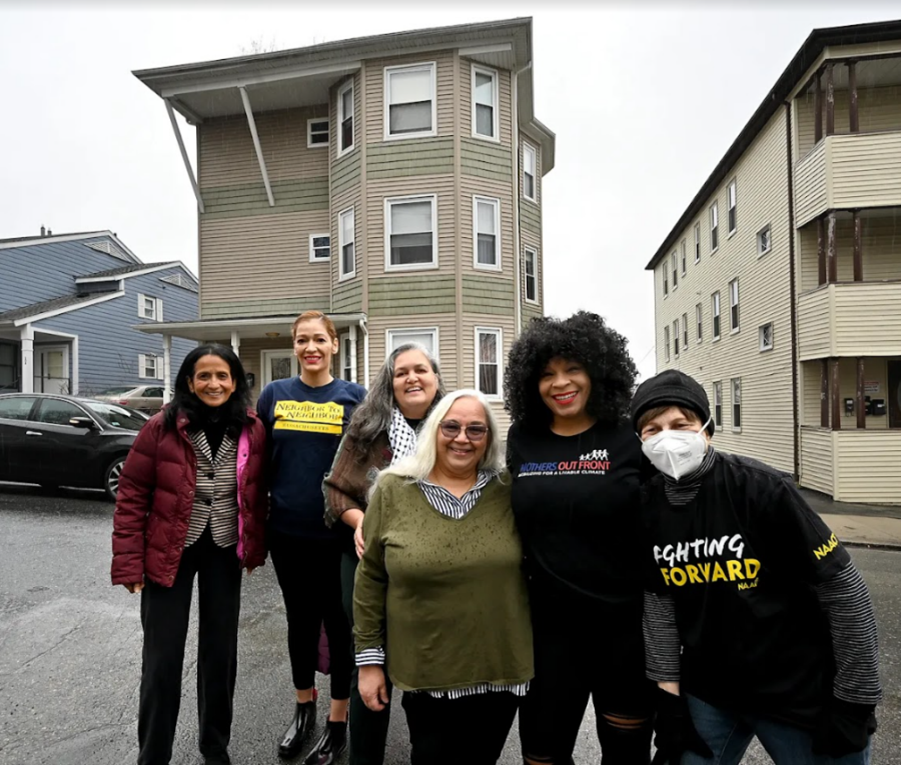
(478, 584)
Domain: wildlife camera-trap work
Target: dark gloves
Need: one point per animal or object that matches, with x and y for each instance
(675, 731)
(843, 728)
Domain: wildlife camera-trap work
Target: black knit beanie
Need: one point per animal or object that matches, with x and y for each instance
(671, 388)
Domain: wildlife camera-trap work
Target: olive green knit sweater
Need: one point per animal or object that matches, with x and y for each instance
(446, 598)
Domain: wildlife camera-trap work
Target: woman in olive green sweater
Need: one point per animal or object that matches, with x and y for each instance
(440, 598)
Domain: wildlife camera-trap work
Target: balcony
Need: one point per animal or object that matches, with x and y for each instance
(850, 319)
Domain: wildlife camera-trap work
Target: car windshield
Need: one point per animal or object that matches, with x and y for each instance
(116, 391)
(117, 416)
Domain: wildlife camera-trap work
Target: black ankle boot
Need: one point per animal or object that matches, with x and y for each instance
(331, 746)
(301, 726)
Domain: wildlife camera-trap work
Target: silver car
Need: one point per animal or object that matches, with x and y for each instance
(145, 398)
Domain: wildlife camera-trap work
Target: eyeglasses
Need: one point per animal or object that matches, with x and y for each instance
(452, 428)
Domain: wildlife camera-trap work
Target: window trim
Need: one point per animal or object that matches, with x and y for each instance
(496, 105)
(732, 384)
(718, 403)
(429, 66)
(314, 259)
(666, 343)
(684, 332)
(716, 315)
(526, 251)
(328, 137)
(714, 213)
(410, 199)
(698, 242)
(674, 262)
(476, 199)
(763, 347)
(344, 357)
(499, 333)
(342, 275)
(734, 309)
(699, 322)
(732, 207)
(676, 338)
(528, 148)
(342, 150)
(683, 256)
(665, 280)
(433, 331)
(157, 312)
(157, 366)
(769, 230)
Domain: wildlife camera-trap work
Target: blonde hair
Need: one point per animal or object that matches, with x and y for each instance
(418, 466)
(315, 316)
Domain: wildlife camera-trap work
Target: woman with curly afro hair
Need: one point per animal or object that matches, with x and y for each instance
(575, 463)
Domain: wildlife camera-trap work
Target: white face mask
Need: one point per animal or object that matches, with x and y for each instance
(676, 453)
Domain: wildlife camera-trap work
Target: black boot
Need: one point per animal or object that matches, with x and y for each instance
(301, 726)
(331, 746)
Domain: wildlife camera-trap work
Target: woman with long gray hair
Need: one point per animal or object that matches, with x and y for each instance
(382, 432)
(440, 597)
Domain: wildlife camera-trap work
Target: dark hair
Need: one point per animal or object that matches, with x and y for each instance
(584, 338)
(184, 401)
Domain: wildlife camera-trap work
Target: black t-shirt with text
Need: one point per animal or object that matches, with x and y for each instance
(740, 562)
(577, 507)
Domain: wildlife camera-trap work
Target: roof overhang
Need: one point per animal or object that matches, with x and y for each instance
(261, 327)
(151, 268)
(776, 98)
(51, 239)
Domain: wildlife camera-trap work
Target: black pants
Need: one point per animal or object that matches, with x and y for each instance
(309, 573)
(586, 649)
(368, 729)
(164, 616)
(473, 729)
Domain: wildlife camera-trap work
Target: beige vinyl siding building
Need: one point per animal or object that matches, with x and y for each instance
(797, 246)
(393, 182)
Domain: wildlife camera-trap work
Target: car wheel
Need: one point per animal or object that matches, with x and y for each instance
(111, 478)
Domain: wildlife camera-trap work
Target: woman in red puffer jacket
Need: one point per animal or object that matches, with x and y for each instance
(192, 501)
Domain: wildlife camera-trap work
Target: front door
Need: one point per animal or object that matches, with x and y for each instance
(894, 394)
(51, 370)
(278, 365)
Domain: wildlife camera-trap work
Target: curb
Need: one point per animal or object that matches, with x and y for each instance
(888, 546)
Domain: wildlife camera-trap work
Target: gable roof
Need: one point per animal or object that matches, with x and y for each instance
(813, 46)
(47, 308)
(136, 269)
(27, 241)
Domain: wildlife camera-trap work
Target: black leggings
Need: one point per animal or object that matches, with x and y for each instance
(309, 573)
(587, 649)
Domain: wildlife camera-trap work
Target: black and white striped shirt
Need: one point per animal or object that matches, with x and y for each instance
(457, 508)
(216, 493)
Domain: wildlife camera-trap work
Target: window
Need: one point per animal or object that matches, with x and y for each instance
(486, 225)
(684, 331)
(150, 367)
(763, 241)
(676, 337)
(714, 227)
(530, 269)
(16, 408)
(529, 162)
(665, 279)
(409, 101)
(736, 404)
(346, 118)
(698, 321)
(765, 334)
(347, 356)
(716, 315)
(733, 305)
(666, 343)
(488, 364)
(348, 264)
(675, 270)
(682, 256)
(150, 308)
(426, 337)
(410, 240)
(733, 202)
(9, 366)
(697, 242)
(55, 411)
(718, 404)
(317, 132)
(484, 103)
(319, 247)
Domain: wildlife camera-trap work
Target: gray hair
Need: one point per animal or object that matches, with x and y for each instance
(419, 465)
(373, 416)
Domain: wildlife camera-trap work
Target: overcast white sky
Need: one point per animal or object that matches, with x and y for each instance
(644, 99)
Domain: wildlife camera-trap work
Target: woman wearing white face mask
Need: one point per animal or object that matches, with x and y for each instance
(757, 623)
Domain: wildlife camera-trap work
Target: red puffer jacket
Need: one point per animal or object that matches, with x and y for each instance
(156, 494)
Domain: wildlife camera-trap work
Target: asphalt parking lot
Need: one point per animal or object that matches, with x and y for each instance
(70, 647)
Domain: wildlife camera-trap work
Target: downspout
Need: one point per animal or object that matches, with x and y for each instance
(793, 291)
(517, 196)
(365, 353)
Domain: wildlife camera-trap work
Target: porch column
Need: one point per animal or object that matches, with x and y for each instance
(352, 332)
(824, 393)
(852, 90)
(167, 368)
(836, 396)
(365, 329)
(831, 265)
(817, 109)
(236, 342)
(858, 247)
(26, 338)
(861, 399)
(821, 251)
(830, 99)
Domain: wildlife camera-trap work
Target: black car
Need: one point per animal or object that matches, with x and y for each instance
(56, 440)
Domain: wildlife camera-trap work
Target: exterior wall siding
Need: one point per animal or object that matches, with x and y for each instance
(814, 325)
(816, 470)
(866, 170)
(405, 295)
(810, 186)
(868, 466)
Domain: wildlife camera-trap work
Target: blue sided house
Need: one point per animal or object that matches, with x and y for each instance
(69, 308)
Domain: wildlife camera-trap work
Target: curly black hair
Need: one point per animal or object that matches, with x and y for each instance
(584, 338)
